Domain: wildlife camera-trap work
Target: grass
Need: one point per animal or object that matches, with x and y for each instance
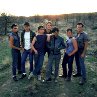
(34, 88)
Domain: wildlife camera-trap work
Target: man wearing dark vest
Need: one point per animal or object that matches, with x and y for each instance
(26, 38)
(14, 41)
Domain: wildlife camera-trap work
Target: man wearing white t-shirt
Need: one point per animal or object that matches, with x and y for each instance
(26, 38)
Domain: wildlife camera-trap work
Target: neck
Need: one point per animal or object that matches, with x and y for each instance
(27, 30)
(48, 30)
(40, 33)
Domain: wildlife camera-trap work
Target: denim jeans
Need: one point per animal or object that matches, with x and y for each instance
(52, 58)
(38, 58)
(83, 67)
(67, 60)
(24, 57)
(16, 61)
(77, 63)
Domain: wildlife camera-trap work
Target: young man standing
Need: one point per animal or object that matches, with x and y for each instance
(48, 30)
(38, 46)
(82, 41)
(55, 45)
(71, 48)
(26, 39)
(14, 41)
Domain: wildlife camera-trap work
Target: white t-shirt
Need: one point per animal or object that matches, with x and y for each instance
(27, 45)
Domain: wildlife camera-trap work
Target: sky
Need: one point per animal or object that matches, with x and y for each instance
(47, 7)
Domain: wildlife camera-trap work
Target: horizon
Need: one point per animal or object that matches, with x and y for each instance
(39, 7)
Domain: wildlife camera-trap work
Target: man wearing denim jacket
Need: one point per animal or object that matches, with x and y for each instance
(55, 45)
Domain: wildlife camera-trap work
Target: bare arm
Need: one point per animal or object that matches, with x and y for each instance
(32, 46)
(85, 49)
(11, 44)
(48, 36)
(75, 47)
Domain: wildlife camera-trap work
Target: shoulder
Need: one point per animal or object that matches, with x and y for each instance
(60, 38)
(33, 33)
(84, 34)
(73, 38)
(22, 32)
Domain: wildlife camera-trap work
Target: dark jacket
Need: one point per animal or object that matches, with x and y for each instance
(56, 44)
(32, 34)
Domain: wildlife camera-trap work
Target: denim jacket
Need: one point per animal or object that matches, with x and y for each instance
(56, 44)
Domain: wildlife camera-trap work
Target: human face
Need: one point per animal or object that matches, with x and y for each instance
(56, 33)
(48, 26)
(27, 28)
(41, 31)
(15, 29)
(79, 28)
(69, 34)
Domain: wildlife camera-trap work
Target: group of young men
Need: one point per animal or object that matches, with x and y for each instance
(47, 40)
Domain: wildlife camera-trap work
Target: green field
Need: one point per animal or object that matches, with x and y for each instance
(34, 88)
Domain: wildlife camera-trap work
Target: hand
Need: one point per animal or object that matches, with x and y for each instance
(22, 49)
(19, 49)
(31, 50)
(36, 52)
(69, 55)
(82, 55)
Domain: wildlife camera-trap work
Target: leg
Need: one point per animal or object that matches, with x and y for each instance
(70, 63)
(49, 67)
(83, 68)
(64, 65)
(36, 58)
(31, 61)
(40, 64)
(57, 62)
(24, 57)
(14, 62)
(77, 63)
(19, 62)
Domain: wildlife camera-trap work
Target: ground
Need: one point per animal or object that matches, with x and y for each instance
(34, 88)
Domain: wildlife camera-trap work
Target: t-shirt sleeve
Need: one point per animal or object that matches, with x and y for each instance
(86, 38)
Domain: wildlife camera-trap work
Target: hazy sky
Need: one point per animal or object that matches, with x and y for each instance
(43, 7)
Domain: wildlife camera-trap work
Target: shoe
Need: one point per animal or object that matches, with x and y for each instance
(30, 75)
(15, 78)
(82, 81)
(19, 72)
(68, 79)
(23, 76)
(55, 80)
(77, 75)
(39, 77)
(62, 76)
(49, 79)
(52, 73)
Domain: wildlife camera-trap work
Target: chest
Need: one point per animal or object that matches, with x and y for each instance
(41, 39)
(27, 36)
(69, 42)
(80, 38)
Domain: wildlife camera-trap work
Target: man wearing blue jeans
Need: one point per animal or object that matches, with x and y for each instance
(82, 40)
(26, 38)
(55, 45)
(14, 41)
(38, 45)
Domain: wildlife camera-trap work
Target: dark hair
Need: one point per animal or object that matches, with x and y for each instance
(55, 29)
(80, 24)
(13, 25)
(69, 30)
(40, 27)
(26, 24)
